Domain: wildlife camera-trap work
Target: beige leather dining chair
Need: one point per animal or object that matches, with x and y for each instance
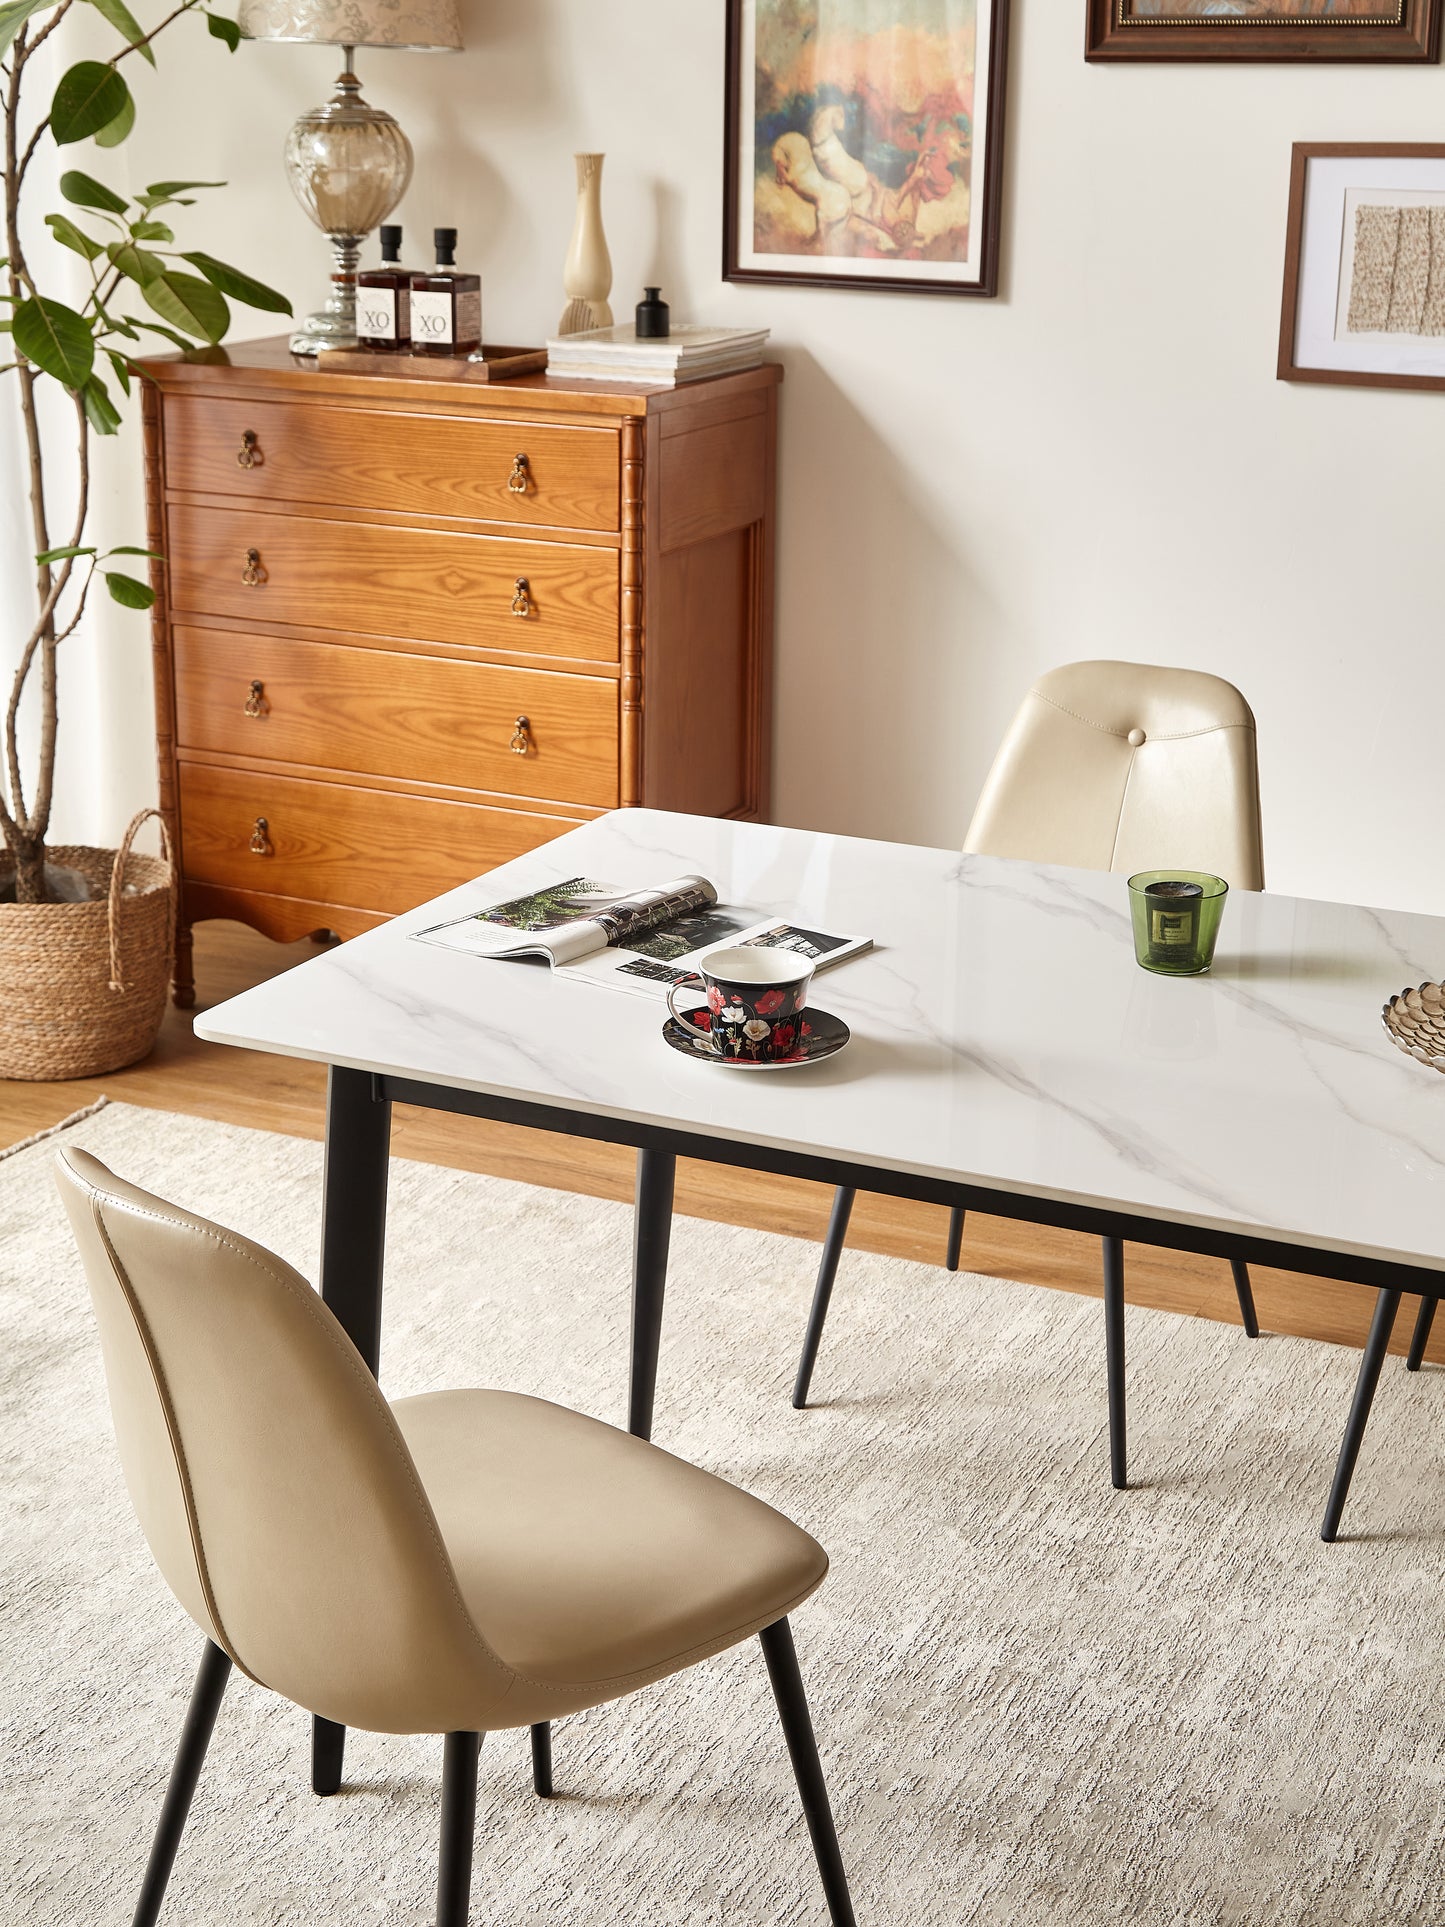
(448, 1564)
(1107, 766)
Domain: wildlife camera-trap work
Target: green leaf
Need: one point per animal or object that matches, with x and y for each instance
(136, 264)
(122, 369)
(115, 133)
(224, 29)
(61, 555)
(150, 231)
(158, 328)
(168, 190)
(14, 16)
(129, 593)
(239, 286)
(188, 303)
(70, 236)
(100, 410)
(126, 25)
(56, 339)
(81, 191)
(88, 98)
(127, 548)
(116, 324)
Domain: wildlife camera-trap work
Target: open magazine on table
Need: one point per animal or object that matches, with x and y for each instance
(642, 941)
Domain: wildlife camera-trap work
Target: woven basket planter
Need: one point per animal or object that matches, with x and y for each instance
(83, 985)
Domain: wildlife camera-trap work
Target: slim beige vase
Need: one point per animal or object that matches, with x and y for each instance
(587, 277)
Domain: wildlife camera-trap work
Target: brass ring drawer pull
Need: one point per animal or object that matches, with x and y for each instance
(249, 455)
(521, 741)
(254, 573)
(261, 838)
(256, 704)
(522, 603)
(519, 482)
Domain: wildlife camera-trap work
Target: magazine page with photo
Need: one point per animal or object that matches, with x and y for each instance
(642, 941)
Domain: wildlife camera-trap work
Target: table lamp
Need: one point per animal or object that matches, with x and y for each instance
(348, 163)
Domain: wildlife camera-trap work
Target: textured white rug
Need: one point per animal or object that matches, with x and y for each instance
(1040, 1703)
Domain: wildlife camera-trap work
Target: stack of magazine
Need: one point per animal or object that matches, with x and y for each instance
(643, 942)
(688, 354)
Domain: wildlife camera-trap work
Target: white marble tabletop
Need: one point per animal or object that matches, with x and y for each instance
(1002, 1034)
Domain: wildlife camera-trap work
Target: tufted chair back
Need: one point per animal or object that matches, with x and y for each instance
(1122, 766)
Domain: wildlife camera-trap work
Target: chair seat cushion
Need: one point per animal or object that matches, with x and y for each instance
(589, 1560)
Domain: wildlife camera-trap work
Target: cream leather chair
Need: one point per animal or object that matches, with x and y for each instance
(1107, 766)
(447, 1564)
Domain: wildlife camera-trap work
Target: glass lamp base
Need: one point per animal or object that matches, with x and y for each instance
(334, 326)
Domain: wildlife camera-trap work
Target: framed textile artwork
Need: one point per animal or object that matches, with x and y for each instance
(1263, 29)
(1364, 271)
(865, 143)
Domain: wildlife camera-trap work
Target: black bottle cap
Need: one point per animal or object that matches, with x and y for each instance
(445, 239)
(391, 244)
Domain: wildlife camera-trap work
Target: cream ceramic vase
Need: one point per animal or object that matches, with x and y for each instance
(587, 277)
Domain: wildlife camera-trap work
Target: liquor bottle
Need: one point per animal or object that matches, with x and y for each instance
(383, 300)
(446, 307)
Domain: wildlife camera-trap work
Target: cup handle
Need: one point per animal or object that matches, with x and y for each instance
(683, 983)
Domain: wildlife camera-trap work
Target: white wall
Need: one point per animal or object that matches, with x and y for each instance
(1099, 462)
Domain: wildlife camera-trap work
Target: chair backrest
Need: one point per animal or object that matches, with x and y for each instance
(270, 1477)
(1122, 766)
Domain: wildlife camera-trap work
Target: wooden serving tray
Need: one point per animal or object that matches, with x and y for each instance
(500, 364)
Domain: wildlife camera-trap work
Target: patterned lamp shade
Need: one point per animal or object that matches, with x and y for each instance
(418, 24)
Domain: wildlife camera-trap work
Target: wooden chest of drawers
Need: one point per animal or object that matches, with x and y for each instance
(406, 629)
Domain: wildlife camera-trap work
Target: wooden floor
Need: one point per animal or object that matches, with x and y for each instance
(283, 1094)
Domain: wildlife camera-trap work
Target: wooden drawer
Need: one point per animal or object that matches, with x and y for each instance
(414, 464)
(333, 843)
(418, 583)
(418, 718)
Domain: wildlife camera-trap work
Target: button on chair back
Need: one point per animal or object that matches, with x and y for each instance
(1124, 766)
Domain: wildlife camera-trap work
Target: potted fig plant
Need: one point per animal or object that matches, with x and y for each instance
(85, 935)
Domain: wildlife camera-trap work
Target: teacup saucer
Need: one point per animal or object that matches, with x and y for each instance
(824, 1035)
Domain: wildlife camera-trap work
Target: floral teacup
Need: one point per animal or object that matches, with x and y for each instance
(754, 1001)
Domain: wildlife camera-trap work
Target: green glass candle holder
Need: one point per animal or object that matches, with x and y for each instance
(1176, 920)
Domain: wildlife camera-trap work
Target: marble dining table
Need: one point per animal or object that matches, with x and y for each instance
(1007, 1054)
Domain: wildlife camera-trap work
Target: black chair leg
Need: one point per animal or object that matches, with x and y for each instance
(1114, 1350)
(328, 1749)
(201, 1714)
(955, 1236)
(1421, 1336)
(1376, 1346)
(827, 1271)
(787, 1683)
(542, 1761)
(1244, 1292)
(459, 1826)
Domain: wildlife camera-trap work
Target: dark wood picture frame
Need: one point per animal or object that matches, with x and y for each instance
(1303, 153)
(1399, 30)
(989, 203)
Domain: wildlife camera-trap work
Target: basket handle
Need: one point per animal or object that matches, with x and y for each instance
(117, 886)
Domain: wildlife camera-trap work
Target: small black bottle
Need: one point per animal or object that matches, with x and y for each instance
(446, 307)
(383, 300)
(654, 317)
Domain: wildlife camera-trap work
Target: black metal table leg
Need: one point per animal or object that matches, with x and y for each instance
(1376, 1346)
(1244, 1292)
(955, 1237)
(652, 1229)
(1421, 1337)
(353, 1250)
(1114, 1349)
(823, 1290)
